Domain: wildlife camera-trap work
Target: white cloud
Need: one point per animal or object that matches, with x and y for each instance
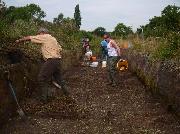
(106, 13)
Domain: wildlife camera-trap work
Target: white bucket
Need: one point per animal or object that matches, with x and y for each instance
(88, 54)
(104, 64)
(94, 64)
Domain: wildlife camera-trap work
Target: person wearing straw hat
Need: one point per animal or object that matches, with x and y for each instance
(51, 68)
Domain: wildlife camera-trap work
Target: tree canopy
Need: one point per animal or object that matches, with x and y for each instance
(59, 19)
(163, 25)
(100, 31)
(166, 27)
(122, 30)
(29, 12)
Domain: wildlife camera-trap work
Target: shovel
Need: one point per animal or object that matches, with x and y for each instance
(56, 84)
(60, 87)
(19, 110)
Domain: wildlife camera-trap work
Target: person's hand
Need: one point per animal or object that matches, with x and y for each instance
(24, 39)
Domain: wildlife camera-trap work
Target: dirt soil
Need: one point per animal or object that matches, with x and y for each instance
(95, 108)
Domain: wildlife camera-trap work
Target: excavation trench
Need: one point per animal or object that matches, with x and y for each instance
(94, 107)
(23, 69)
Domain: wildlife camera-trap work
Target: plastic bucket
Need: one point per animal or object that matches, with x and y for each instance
(94, 64)
(104, 64)
(93, 58)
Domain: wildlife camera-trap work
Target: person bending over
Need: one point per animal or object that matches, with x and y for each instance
(51, 68)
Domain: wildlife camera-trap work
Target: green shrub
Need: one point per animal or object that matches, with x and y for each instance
(169, 49)
(16, 24)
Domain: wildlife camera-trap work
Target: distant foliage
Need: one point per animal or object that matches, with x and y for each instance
(122, 30)
(100, 31)
(163, 25)
(59, 19)
(68, 25)
(2, 7)
(27, 13)
(166, 27)
(77, 16)
(17, 22)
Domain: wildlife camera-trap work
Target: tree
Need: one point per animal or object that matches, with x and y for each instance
(122, 30)
(77, 16)
(99, 31)
(29, 12)
(69, 24)
(35, 11)
(2, 5)
(162, 26)
(59, 19)
(2, 8)
(171, 17)
(139, 30)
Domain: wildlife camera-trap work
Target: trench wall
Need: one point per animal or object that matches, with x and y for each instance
(23, 74)
(162, 77)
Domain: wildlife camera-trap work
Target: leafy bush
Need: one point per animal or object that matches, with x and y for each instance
(169, 49)
(167, 28)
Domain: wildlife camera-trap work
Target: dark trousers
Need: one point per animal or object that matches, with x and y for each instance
(104, 54)
(50, 70)
(112, 63)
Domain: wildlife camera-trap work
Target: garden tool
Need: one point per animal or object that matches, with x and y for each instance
(19, 110)
(56, 84)
(60, 87)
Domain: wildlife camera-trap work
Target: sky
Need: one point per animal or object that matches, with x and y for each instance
(104, 13)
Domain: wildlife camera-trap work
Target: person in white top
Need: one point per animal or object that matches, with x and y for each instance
(114, 55)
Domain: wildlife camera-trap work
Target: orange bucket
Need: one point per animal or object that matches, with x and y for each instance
(93, 58)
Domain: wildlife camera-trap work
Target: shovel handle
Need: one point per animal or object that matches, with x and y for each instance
(13, 93)
(7, 75)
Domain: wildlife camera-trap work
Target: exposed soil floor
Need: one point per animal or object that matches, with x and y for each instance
(95, 108)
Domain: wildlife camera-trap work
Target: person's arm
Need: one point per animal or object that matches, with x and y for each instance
(114, 44)
(27, 38)
(38, 39)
